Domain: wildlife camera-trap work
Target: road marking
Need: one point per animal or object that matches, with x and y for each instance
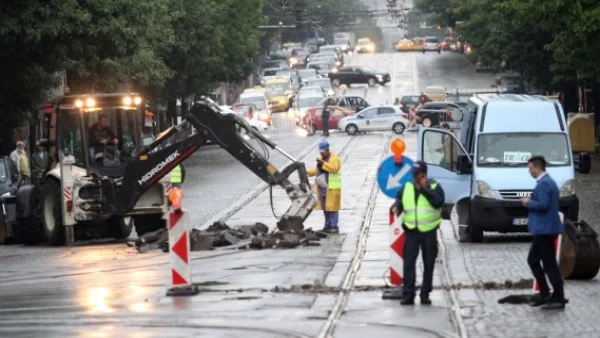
(416, 84)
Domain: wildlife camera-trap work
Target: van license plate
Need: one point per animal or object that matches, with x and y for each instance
(520, 221)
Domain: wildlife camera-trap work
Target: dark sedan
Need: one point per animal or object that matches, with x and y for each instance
(353, 74)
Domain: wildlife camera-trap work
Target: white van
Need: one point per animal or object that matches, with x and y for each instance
(486, 173)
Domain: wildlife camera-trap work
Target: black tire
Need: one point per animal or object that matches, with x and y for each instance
(475, 234)
(352, 129)
(439, 51)
(120, 227)
(52, 222)
(398, 128)
(28, 230)
(147, 223)
(372, 82)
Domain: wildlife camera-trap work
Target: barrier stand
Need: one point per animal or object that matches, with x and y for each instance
(179, 249)
(557, 252)
(396, 258)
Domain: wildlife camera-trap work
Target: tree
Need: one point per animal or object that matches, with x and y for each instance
(102, 42)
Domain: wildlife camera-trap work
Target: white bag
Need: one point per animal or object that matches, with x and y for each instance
(321, 181)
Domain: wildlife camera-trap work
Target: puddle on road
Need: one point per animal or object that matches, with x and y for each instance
(210, 283)
(243, 298)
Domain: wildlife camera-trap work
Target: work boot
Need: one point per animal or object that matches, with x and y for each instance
(539, 301)
(425, 300)
(554, 305)
(335, 230)
(407, 301)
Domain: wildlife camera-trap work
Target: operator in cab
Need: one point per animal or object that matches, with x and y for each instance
(101, 137)
(101, 134)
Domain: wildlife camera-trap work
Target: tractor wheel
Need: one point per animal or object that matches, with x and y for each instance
(148, 223)
(54, 230)
(120, 227)
(29, 229)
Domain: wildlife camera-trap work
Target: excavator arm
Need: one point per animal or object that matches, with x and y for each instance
(158, 159)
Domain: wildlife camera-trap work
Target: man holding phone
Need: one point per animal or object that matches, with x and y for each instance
(329, 186)
(421, 201)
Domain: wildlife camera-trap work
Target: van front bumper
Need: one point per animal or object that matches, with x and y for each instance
(490, 214)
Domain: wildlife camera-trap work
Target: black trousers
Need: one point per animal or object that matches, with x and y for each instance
(542, 250)
(325, 125)
(427, 242)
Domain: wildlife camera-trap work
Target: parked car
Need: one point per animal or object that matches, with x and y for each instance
(276, 64)
(365, 45)
(354, 74)
(307, 74)
(323, 82)
(312, 90)
(404, 45)
(304, 102)
(313, 118)
(322, 68)
(348, 103)
(433, 114)
(409, 101)
(261, 103)
(379, 118)
(432, 44)
(255, 124)
(435, 93)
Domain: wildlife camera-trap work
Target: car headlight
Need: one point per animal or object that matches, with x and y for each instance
(379, 77)
(568, 188)
(337, 63)
(484, 190)
(330, 92)
(293, 61)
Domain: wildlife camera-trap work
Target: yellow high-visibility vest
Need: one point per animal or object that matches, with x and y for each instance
(176, 174)
(420, 214)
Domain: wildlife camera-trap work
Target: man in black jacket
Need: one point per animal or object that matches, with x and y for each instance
(421, 201)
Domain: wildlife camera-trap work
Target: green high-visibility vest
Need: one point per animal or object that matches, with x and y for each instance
(176, 174)
(334, 181)
(420, 214)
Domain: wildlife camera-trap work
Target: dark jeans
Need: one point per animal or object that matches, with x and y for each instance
(325, 126)
(542, 250)
(331, 217)
(427, 242)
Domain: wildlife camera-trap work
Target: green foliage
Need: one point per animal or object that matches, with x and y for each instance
(177, 47)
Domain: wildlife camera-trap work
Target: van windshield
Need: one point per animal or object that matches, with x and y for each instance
(514, 149)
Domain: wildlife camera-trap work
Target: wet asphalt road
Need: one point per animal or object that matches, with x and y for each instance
(109, 290)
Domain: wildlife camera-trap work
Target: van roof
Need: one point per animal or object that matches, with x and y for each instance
(518, 113)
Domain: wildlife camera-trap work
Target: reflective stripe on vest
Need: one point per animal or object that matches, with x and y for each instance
(422, 214)
(176, 174)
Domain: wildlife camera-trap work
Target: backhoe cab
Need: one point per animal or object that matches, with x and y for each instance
(96, 137)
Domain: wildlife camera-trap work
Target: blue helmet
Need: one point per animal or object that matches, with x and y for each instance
(324, 145)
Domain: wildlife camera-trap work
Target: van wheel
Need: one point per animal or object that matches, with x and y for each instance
(427, 122)
(54, 229)
(398, 128)
(351, 129)
(475, 234)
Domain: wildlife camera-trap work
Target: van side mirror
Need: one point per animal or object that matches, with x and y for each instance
(464, 165)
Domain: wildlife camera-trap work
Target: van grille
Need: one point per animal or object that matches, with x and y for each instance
(514, 194)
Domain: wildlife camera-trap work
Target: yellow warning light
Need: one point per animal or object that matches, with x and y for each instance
(78, 103)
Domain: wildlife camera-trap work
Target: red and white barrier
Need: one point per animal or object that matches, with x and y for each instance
(396, 250)
(179, 255)
(557, 251)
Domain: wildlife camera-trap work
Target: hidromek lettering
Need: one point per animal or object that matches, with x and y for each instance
(159, 167)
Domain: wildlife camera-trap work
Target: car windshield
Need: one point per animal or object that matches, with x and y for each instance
(364, 42)
(283, 73)
(512, 81)
(310, 101)
(307, 73)
(272, 64)
(269, 72)
(277, 85)
(312, 89)
(258, 101)
(325, 83)
(514, 149)
(432, 40)
(435, 90)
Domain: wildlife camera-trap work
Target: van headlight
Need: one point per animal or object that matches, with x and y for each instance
(568, 188)
(484, 190)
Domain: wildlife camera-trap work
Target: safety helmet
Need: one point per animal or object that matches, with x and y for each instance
(324, 145)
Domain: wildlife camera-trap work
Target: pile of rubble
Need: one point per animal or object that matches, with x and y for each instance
(219, 234)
